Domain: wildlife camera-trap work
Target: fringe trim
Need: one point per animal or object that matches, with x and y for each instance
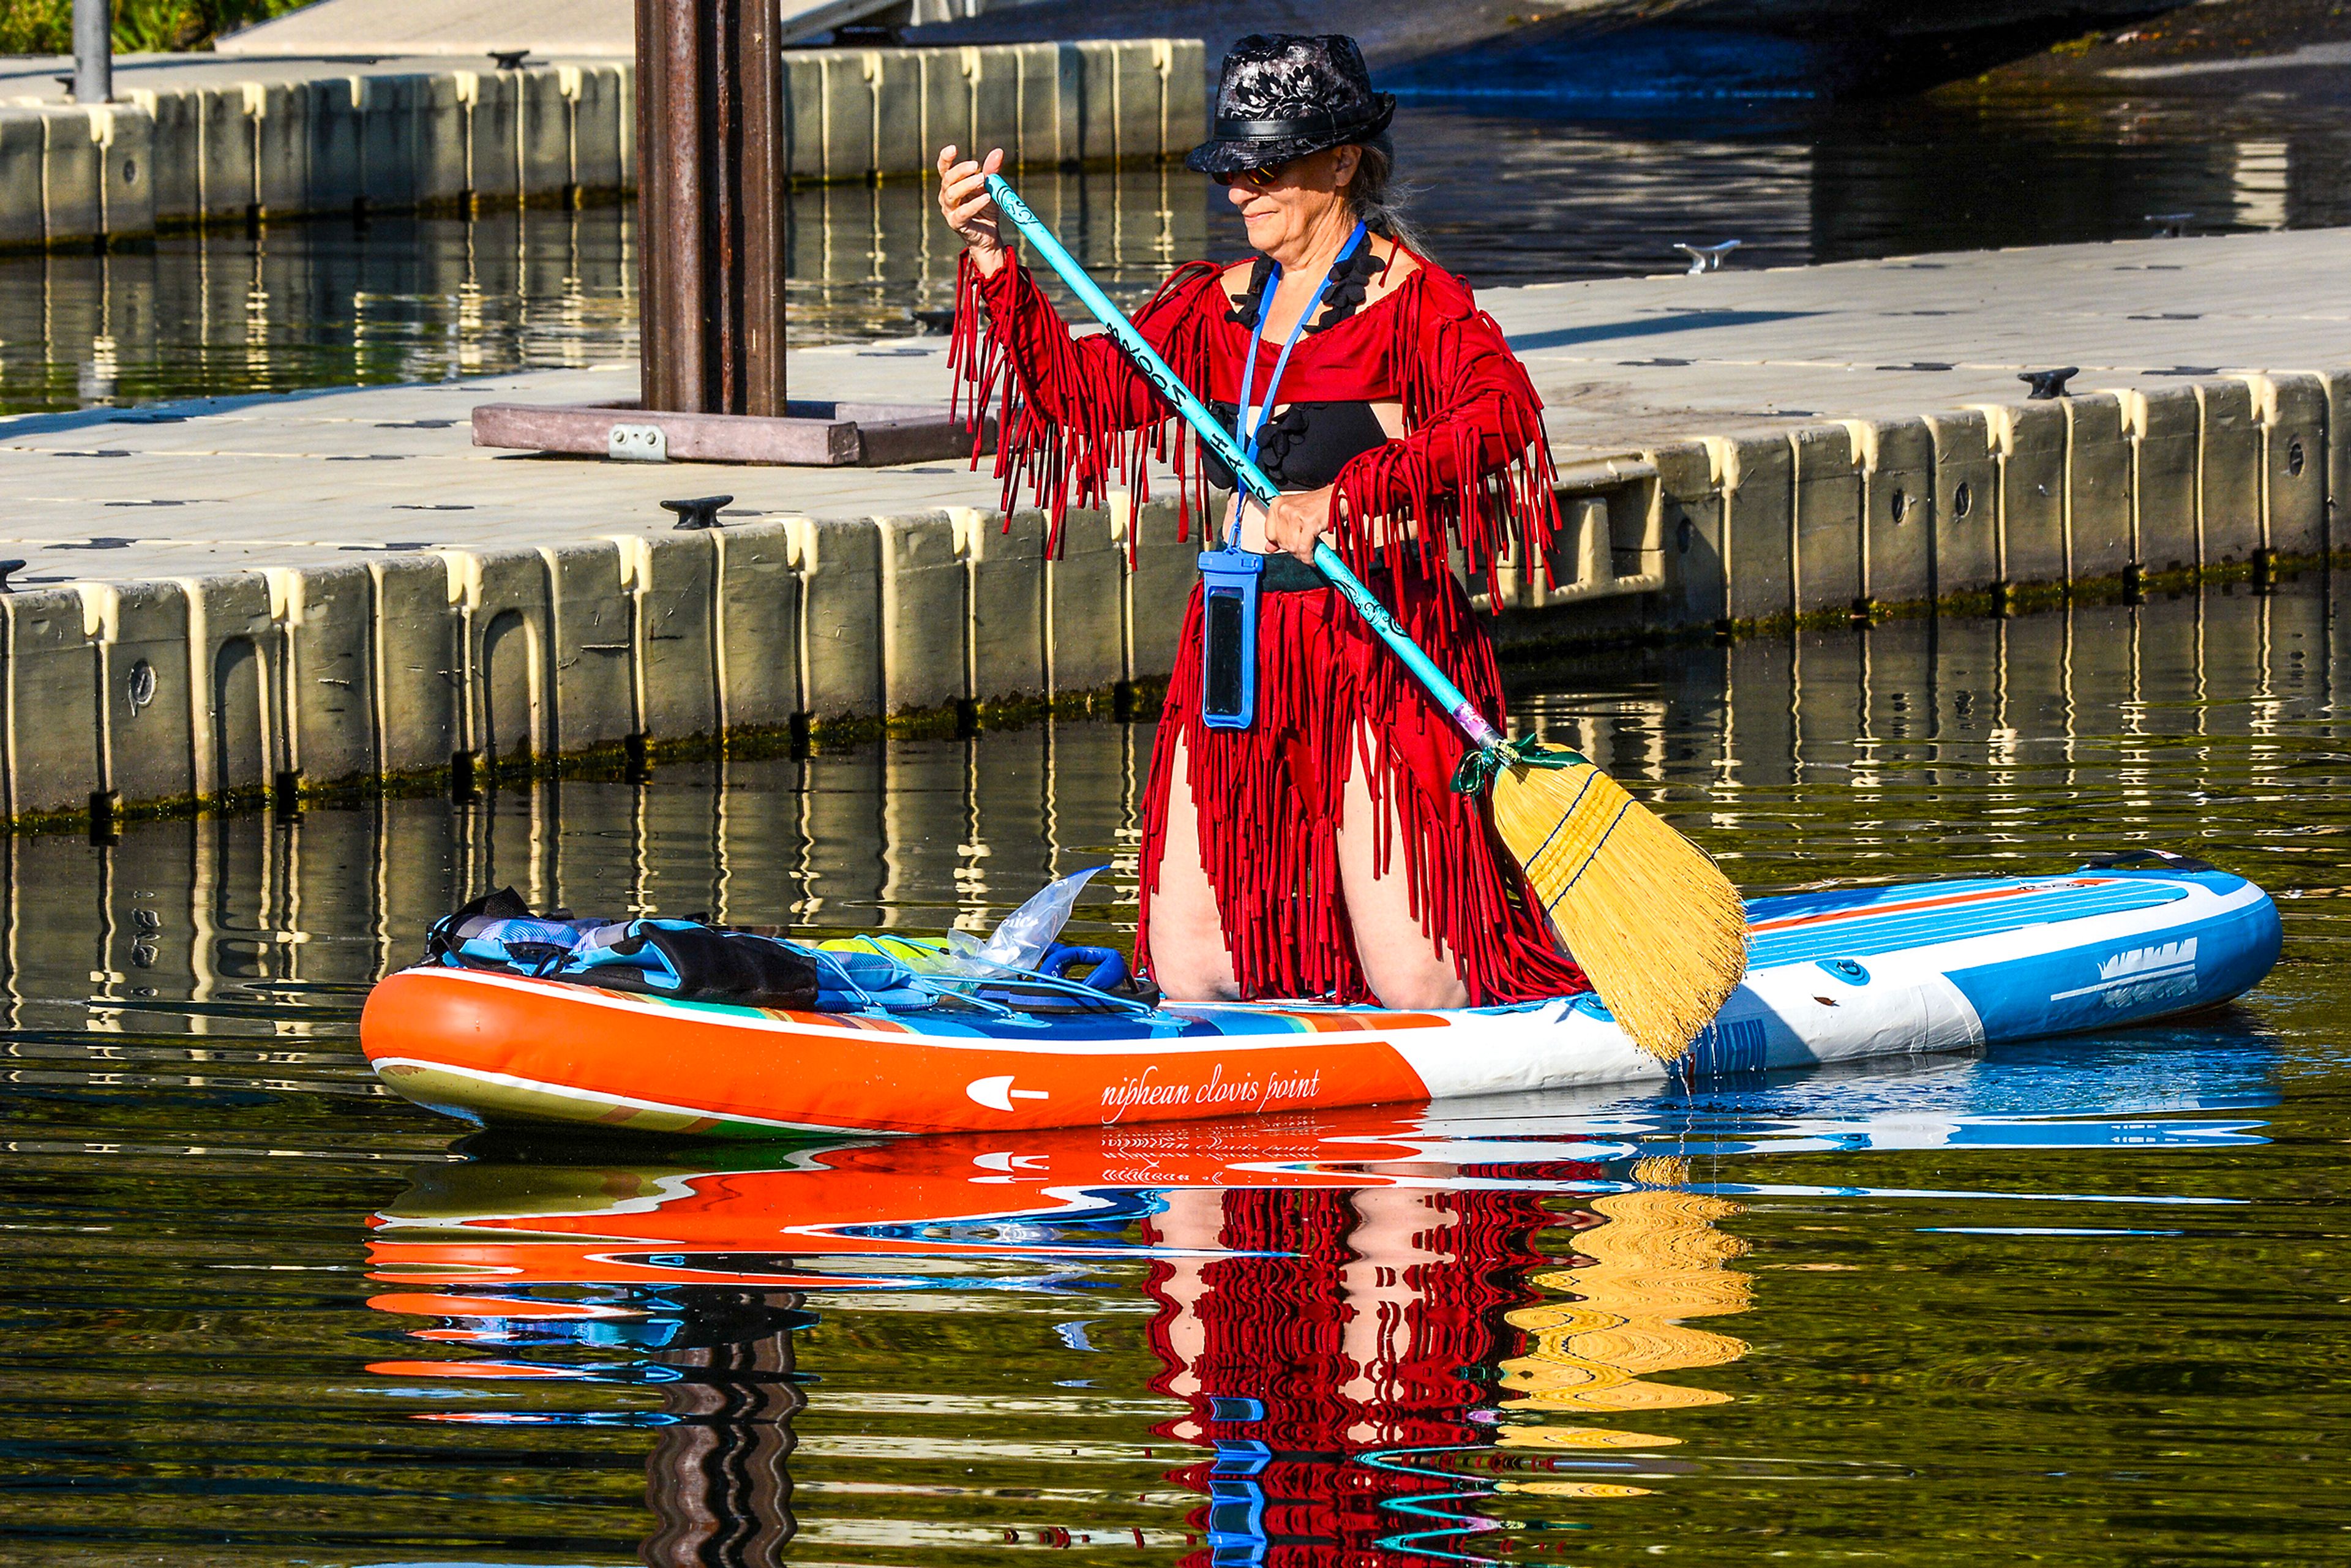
(1474, 471)
(1272, 798)
(1073, 415)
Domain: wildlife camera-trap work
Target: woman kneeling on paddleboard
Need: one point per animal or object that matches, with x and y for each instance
(1301, 835)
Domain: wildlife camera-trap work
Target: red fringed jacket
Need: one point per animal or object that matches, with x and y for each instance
(1471, 473)
(1076, 417)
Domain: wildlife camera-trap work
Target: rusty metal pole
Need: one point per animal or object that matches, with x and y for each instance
(711, 205)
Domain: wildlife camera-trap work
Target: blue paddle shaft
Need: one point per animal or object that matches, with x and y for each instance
(1171, 387)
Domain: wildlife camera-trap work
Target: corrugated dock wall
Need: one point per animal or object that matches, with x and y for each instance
(334, 140)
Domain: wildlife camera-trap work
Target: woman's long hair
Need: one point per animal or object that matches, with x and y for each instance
(1377, 198)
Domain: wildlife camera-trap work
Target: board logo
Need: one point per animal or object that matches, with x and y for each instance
(998, 1093)
(1213, 1096)
(2138, 975)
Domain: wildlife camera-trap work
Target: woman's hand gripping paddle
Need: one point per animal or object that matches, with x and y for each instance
(1660, 930)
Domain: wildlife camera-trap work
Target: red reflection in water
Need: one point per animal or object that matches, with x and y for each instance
(1340, 1325)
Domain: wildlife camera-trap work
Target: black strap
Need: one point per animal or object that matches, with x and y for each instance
(1322, 124)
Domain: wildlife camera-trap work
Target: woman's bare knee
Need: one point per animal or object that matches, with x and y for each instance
(1188, 958)
(1405, 967)
(1194, 975)
(1423, 982)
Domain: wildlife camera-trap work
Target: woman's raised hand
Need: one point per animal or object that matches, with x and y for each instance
(969, 210)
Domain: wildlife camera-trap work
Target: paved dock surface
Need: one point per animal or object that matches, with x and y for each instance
(1623, 365)
(551, 28)
(311, 480)
(548, 27)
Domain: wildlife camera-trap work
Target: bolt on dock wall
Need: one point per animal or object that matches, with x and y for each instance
(330, 139)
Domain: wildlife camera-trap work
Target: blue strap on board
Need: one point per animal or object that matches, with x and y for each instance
(1229, 577)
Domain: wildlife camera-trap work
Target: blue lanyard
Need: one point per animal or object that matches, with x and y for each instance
(1246, 429)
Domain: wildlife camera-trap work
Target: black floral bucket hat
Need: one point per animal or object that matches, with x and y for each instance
(1285, 95)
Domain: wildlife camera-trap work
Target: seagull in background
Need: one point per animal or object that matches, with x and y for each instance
(1707, 257)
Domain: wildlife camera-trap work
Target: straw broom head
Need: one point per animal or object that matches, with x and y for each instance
(1660, 931)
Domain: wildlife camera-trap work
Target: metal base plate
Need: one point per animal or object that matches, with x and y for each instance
(815, 435)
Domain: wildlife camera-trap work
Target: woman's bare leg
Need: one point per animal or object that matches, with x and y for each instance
(1404, 965)
(1188, 959)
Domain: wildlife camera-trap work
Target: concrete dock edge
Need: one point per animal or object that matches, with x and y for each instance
(168, 694)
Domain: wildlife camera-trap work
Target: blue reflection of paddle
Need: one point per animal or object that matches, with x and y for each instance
(1416, 1542)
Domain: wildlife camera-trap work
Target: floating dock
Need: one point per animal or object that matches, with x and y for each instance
(240, 596)
(198, 139)
(1839, 440)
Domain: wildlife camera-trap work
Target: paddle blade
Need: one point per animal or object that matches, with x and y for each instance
(1660, 931)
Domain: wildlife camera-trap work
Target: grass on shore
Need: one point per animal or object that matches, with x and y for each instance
(2209, 30)
(141, 26)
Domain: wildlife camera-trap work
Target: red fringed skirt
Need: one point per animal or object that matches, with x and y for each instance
(1270, 797)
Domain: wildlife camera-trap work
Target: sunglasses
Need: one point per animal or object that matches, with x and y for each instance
(1260, 178)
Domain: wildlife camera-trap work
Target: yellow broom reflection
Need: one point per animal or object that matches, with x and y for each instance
(1657, 1260)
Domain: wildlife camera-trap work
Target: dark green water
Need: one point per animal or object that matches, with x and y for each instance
(2081, 1302)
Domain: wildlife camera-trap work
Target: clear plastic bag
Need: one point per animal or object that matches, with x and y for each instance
(1021, 938)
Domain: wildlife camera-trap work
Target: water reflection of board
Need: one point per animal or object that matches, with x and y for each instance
(1340, 1305)
(1835, 975)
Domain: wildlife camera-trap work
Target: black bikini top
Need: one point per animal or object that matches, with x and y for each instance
(1304, 446)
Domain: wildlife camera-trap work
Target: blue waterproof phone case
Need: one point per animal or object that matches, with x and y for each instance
(1228, 583)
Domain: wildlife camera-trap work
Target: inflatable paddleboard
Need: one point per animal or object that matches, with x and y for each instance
(1837, 975)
